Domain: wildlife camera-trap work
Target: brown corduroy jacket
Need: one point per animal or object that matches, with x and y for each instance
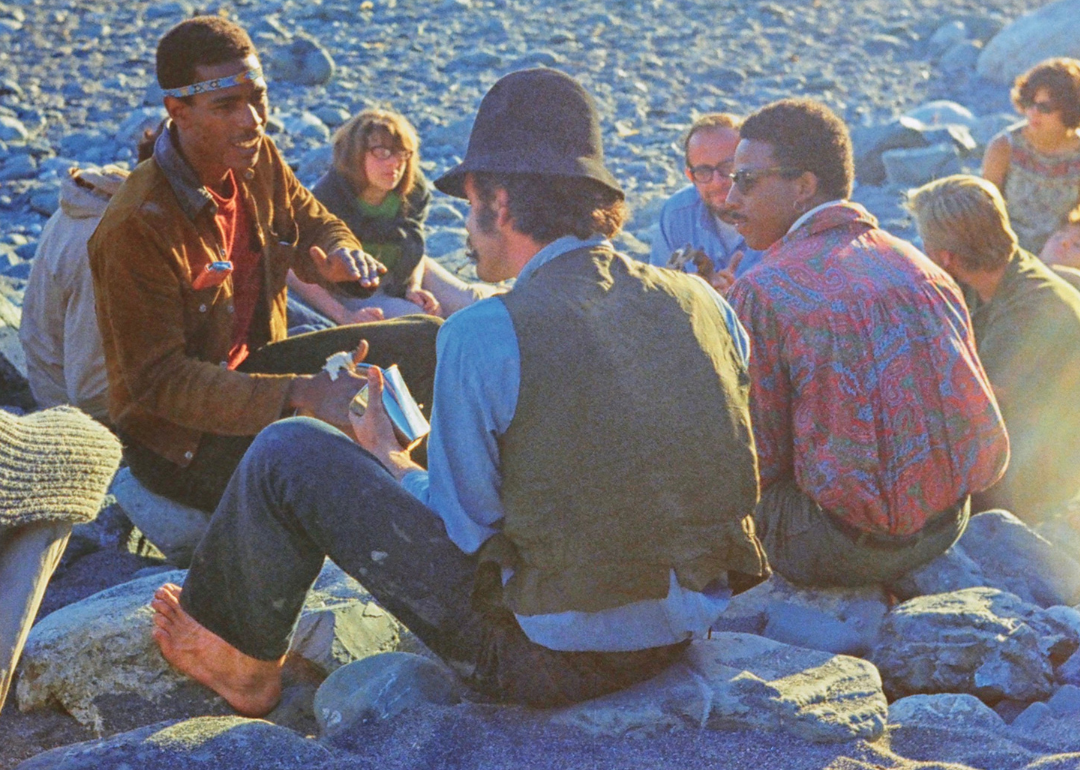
(166, 342)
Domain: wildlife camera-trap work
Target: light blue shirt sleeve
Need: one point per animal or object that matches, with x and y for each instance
(738, 333)
(477, 379)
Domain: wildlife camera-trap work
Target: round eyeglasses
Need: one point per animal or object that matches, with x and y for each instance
(703, 174)
(385, 153)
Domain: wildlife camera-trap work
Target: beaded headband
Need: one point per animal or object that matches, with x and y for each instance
(215, 85)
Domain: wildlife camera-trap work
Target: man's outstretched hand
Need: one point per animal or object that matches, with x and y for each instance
(328, 399)
(342, 265)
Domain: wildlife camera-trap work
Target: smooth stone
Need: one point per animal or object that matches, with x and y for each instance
(173, 10)
(962, 57)
(113, 666)
(1070, 616)
(454, 135)
(175, 529)
(46, 201)
(957, 709)
(869, 142)
(307, 125)
(142, 119)
(742, 681)
(1069, 671)
(836, 620)
(10, 87)
(989, 126)
(1014, 558)
(12, 129)
(1066, 701)
(1049, 31)
(978, 640)
(473, 60)
(83, 144)
(302, 61)
(314, 164)
(1032, 717)
(380, 687)
(332, 115)
(445, 241)
(946, 36)
(917, 166)
(18, 167)
(445, 215)
(203, 743)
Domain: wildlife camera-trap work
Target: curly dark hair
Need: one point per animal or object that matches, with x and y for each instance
(201, 40)
(806, 135)
(1061, 78)
(547, 206)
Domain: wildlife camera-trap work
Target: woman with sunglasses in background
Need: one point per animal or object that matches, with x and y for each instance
(1036, 163)
(376, 187)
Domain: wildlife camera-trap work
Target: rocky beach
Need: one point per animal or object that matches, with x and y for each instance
(970, 662)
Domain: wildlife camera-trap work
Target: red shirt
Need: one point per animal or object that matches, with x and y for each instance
(234, 230)
(865, 384)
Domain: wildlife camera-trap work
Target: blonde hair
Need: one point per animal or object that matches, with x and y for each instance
(965, 215)
(354, 137)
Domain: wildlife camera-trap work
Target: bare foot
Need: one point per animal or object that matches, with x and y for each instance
(251, 686)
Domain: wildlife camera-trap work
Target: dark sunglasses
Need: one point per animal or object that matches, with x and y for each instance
(746, 179)
(704, 174)
(1043, 108)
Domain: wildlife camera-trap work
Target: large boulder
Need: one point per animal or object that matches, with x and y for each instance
(844, 621)
(959, 710)
(96, 659)
(205, 743)
(980, 641)
(1053, 30)
(737, 681)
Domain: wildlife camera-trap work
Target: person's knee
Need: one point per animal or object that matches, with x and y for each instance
(291, 439)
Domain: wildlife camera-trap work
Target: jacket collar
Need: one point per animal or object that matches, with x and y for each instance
(190, 192)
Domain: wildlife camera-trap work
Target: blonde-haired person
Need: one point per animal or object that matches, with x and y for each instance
(376, 187)
(1027, 332)
(1036, 163)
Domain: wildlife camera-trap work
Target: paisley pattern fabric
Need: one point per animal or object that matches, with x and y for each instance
(865, 384)
(1040, 190)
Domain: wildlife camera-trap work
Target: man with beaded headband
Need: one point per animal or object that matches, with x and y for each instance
(189, 266)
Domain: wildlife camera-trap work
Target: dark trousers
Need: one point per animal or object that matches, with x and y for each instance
(305, 491)
(408, 342)
(808, 546)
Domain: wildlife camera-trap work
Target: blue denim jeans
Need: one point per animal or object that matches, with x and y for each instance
(304, 491)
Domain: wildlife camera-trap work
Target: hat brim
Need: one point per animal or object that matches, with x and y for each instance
(453, 181)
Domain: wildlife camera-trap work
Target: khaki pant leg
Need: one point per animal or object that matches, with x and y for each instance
(28, 557)
(452, 292)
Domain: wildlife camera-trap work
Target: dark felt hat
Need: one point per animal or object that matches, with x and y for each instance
(538, 121)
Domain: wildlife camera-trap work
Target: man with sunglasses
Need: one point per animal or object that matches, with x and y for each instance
(698, 216)
(189, 266)
(873, 420)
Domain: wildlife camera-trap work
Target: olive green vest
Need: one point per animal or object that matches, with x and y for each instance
(630, 452)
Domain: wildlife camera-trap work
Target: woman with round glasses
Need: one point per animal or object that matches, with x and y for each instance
(1036, 164)
(376, 187)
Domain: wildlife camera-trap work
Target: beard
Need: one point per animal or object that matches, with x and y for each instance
(724, 213)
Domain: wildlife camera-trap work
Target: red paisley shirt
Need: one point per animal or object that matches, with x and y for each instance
(865, 384)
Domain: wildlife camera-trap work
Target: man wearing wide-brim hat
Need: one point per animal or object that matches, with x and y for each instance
(591, 478)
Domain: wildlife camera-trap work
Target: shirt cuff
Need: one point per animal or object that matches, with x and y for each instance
(417, 484)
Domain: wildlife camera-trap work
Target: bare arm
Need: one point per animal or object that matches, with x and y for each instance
(996, 161)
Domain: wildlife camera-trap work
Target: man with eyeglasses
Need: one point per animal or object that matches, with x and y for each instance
(698, 216)
(189, 266)
(873, 420)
